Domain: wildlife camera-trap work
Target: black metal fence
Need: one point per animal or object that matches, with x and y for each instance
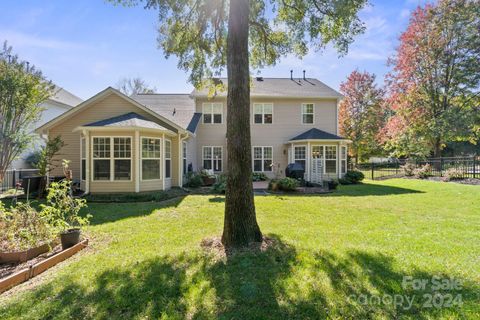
(12, 177)
(468, 167)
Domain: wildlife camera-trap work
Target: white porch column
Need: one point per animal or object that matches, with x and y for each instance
(137, 160)
(86, 134)
(308, 156)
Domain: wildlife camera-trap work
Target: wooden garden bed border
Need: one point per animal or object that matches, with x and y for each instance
(34, 270)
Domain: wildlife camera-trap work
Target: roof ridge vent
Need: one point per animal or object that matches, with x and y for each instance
(259, 78)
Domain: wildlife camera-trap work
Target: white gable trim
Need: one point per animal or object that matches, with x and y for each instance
(102, 94)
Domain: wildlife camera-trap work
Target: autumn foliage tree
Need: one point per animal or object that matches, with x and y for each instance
(433, 88)
(211, 36)
(361, 114)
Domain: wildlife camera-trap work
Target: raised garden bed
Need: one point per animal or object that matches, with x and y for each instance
(23, 256)
(14, 274)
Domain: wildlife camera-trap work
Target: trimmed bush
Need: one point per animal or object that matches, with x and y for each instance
(194, 180)
(423, 172)
(453, 174)
(287, 184)
(259, 176)
(332, 184)
(352, 177)
(220, 185)
(409, 169)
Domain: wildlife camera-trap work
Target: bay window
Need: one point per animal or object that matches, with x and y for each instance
(112, 158)
(122, 154)
(300, 156)
(330, 159)
(184, 155)
(151, 158)
(101, 158)
(343, 159)
(83, 159)
(262, 159)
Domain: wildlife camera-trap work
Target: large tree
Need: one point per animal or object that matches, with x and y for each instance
(434, 85)
(22, 90)
(361, 114)
(209, 35)
(133, 86)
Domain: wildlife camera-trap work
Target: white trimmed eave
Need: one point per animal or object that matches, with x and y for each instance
(126, 129)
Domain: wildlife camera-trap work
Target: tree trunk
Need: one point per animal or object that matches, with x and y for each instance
(437, 148)
(240, 224)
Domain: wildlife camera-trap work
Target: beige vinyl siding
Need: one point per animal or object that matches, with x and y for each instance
(108, 107)
(287, 123)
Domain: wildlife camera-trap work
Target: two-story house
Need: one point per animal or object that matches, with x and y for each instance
(149, 141)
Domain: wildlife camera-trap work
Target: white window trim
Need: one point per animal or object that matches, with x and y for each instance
(263, 113)
(83, 157)
(306, 155)
(263, 158)
(170, 158)
(213, 159)
(112, 159)
(184, 158)
(325, 159)
(212, 113)
(341, 158)
(302, 113)
(148, 158)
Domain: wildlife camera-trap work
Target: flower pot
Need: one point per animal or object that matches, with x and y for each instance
(70, 238)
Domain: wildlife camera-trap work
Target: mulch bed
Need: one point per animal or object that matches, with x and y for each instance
(10, 268)
(214, 246)
(469, 181)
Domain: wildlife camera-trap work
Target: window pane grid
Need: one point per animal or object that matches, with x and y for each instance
(212, 158)
(262, 159)
(263, 113)
(151, 158)
(212, 112)
(307, 113)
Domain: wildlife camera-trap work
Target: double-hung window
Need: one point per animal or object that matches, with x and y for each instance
(83, 159)
(262, 159)
(300, 156)
(122, 157)
(212, 112)
(212, 158)
(330, 159)
(168, 159)
(307, 113)
(343, 159)
(263, 113)
(112, 158)
(151, 158)
(101, 158)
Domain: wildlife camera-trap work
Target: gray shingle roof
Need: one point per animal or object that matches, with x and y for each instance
(282, 88)
(192, 126)
(316, 134)
(178, 108)
(65, 97)
(130, 119)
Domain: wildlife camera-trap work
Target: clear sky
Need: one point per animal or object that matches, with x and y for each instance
(85, 46)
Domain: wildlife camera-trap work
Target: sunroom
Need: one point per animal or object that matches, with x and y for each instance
(322, 155)
(128, 153)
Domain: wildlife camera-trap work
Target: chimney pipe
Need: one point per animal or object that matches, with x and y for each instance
(304, 75)
(291, 74)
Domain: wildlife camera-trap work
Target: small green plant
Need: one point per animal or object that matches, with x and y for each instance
(408, 169)
(259, 176)
(194, 180)
(22, 227)
(220, 185)
(352, 177)
(423, 172)
(62, 209)
(46, 162)
(332, 184)
(288, 184)
(453, 174)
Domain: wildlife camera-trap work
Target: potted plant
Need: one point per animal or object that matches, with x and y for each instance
(63, 210)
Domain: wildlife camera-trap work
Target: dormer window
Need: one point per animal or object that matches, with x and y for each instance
(263, 113)
(212, 112)
(307, 113)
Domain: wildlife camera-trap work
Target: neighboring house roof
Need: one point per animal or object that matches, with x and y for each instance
(130, 119)
(192, 126)
(280, 88)
(316, 134)
(178, 108)
(65, 97)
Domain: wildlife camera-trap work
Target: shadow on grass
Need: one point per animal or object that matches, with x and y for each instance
(276, 284)
(111, 212)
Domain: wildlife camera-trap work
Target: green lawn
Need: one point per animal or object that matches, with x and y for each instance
(333, 252)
